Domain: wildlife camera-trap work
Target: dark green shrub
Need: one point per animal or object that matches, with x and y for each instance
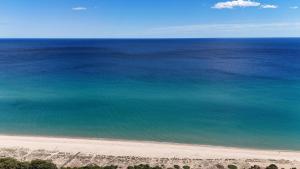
(10, 163)
(272, 166)
(232, 166)
(90, 167)
(24, 165)
(186, 167)
(255, 167)
(176, 166)
(41, 164)
(156, 167)
(142, 166)
(110, 167)
(219, 166)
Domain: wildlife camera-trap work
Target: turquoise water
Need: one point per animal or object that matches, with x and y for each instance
(232, 92)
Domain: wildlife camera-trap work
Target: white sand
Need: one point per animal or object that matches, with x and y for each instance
(142, 149)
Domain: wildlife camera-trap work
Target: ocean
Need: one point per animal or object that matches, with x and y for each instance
(228, 92)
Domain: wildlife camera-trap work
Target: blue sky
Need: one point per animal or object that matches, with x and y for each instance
(149, 18)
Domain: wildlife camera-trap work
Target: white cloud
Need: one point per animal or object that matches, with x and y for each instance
(294, 7)
(79, 8)
(269, 6)
(236, 3)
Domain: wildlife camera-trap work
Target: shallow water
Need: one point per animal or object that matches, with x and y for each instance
(232, 92)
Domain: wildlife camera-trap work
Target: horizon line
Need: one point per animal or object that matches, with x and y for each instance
(146, 38)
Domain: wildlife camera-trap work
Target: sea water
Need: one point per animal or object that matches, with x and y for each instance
(229, 92)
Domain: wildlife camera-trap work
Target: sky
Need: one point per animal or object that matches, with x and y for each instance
(149, 18)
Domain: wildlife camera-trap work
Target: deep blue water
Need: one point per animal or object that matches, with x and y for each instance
(232, 92)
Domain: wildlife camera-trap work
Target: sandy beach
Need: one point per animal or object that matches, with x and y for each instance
(142, 148)
(81, 152)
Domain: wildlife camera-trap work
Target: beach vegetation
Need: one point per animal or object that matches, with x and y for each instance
(10, 163)
(92, 167)
(272, 166)
(255, 167)
(176, 167)
(42, 164)
(232, 166)
(110, 167)
(220, 166)
(143, 166)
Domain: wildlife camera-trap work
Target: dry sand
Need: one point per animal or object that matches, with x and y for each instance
(125, 153)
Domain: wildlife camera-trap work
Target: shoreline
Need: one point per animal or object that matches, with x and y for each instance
(145, 141)
(147, 149)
